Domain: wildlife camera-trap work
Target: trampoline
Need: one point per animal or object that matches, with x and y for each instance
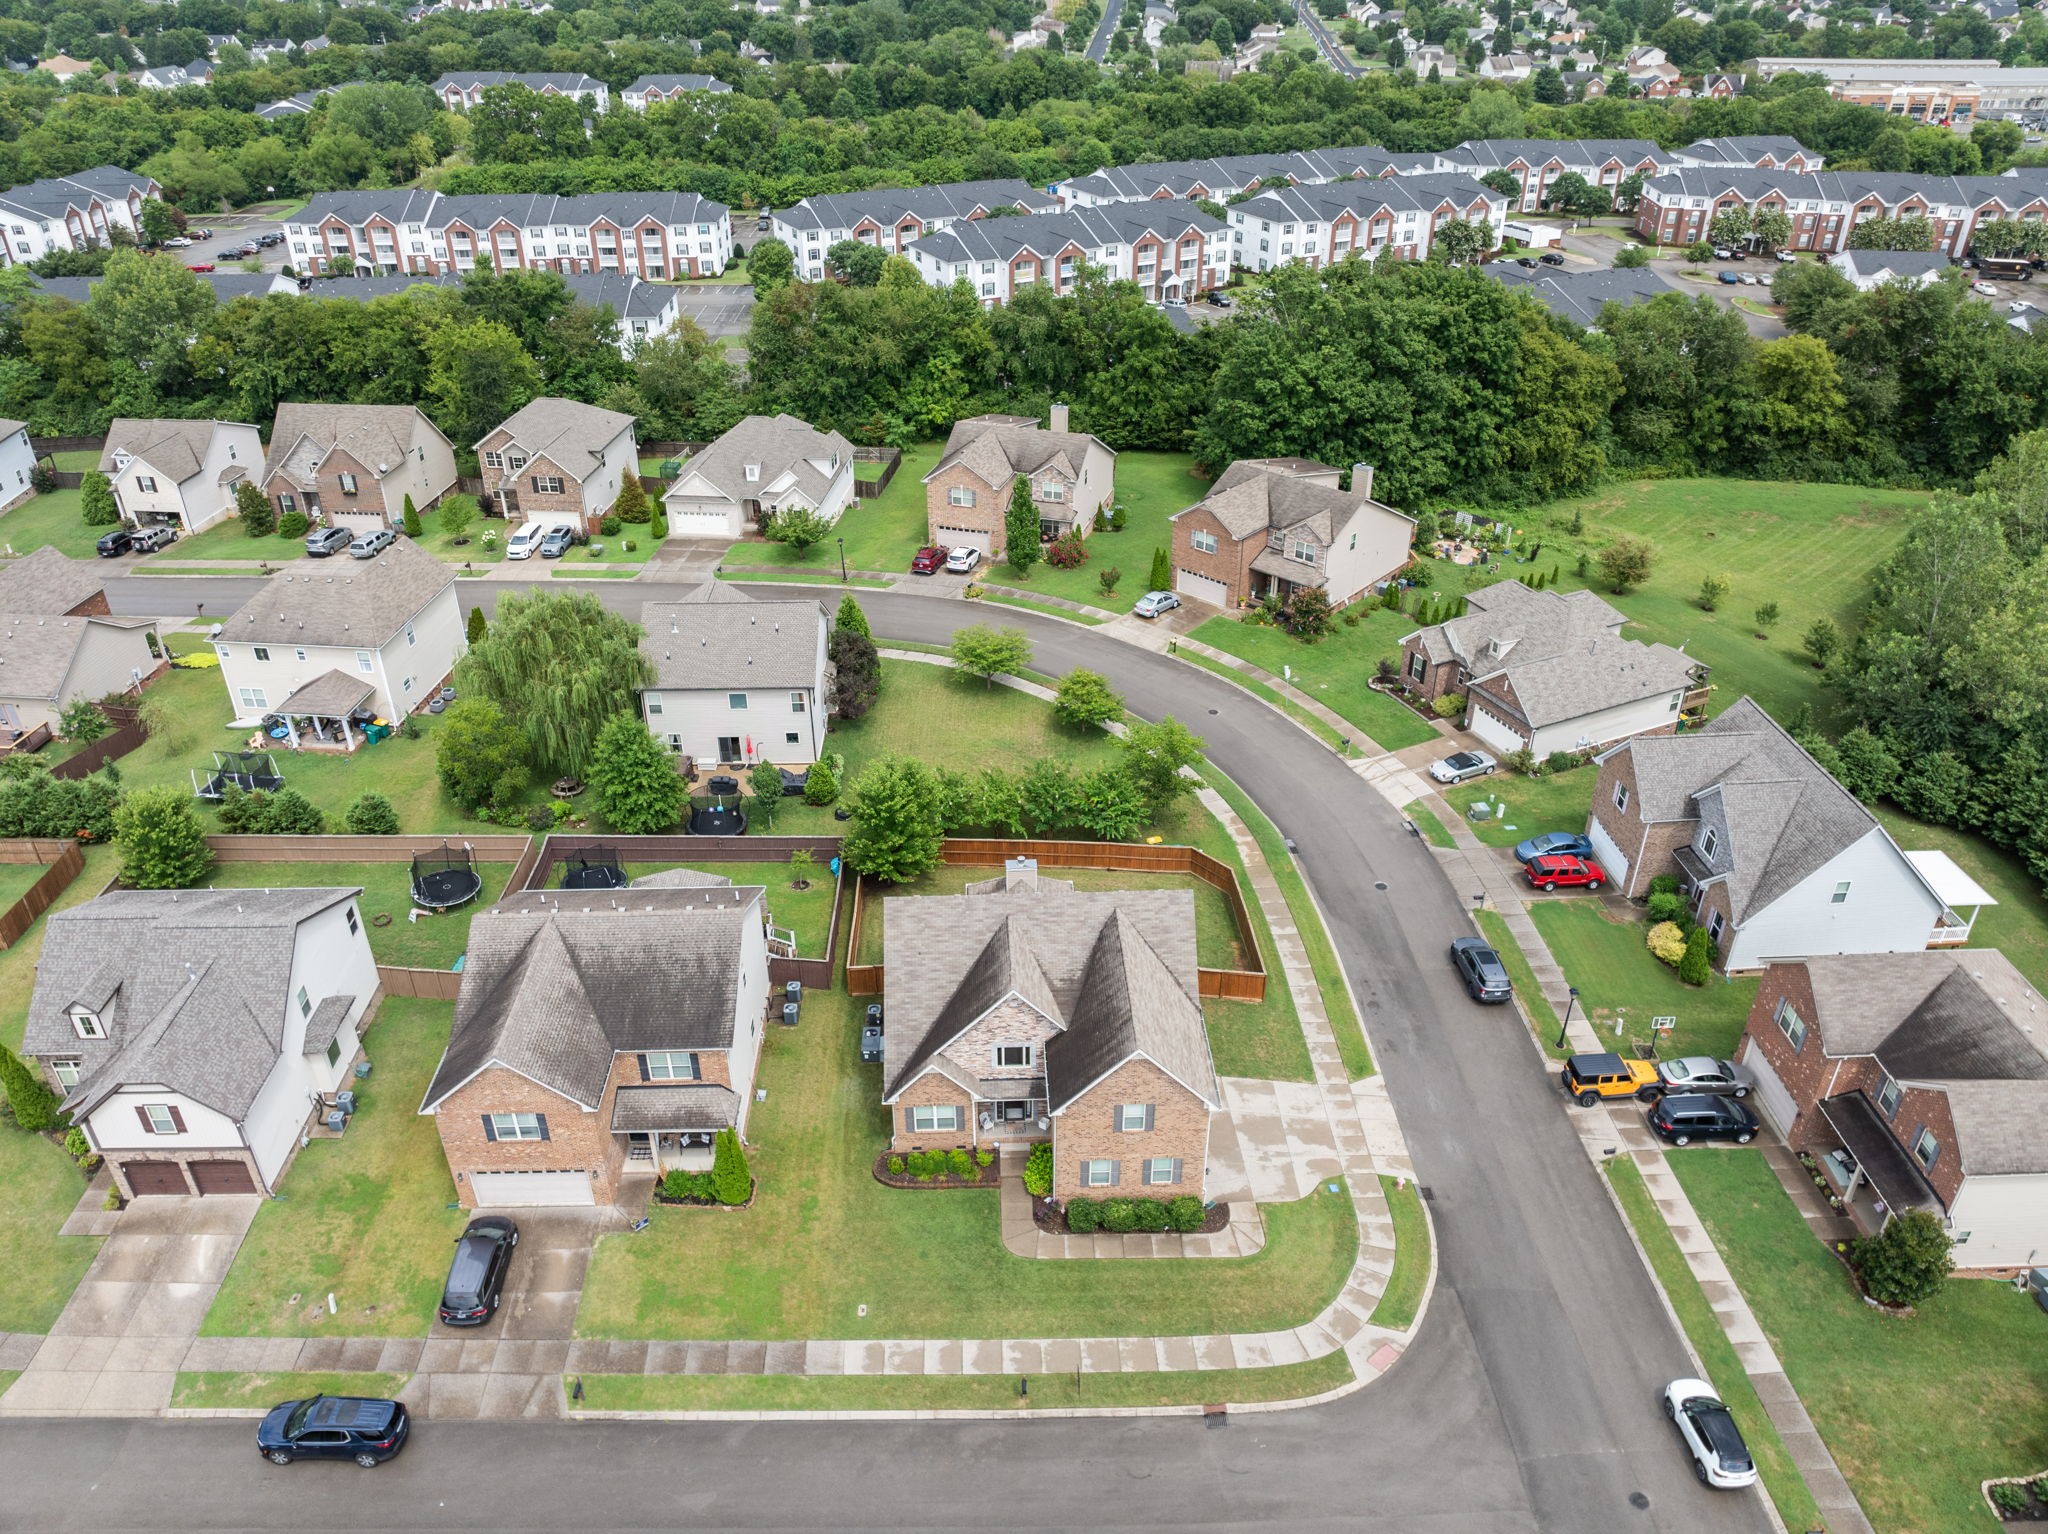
(597, 869)
(718, 818)
(722, 784)
(250, 771)
(444, 879)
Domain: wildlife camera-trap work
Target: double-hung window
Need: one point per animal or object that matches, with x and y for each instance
(1133, 1118)
(161, 1119)
(671, 1065)
(1888, 1096)
(959, 495)
(1012, 1056)
(1791, 1024)
(934, 1118)
(1203, 543)
(348, 484)
(516, 1126)
(1098, 1174)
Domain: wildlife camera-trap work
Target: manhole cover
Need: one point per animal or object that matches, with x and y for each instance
(1212, 710)
(1638, 1499)
(1379, 885)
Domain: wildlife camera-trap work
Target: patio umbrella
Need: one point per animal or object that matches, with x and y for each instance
(750, 748)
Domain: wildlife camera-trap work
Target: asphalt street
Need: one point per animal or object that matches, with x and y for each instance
(1098, 45)
(1529, 1401)
(1325, 40)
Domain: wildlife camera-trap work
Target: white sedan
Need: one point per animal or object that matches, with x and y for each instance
(1719, 1456)
(963, 559)
(1985, 288)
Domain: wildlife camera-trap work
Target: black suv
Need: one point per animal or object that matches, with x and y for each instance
(1684, 1117)
(113, 545)
(334, 1427)
(1485, 977)
(476, 1277)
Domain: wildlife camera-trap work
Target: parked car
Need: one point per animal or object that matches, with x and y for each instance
(1985, 288)
(1719, 1456)
(1682, 1117)
(1553, 844)
(323, 541)
(1589, 1078)
(929, 561)
(524, 539)
(963, 559)
(199, 234)
(1749, 279)
(2019, 306)
(476, 1274)
(148, 540)
(1175, 302)
(1551, 258)
(1704, 1074)
(1554, 873)
(1485, 977)
(1731, 278)
(199, 266)
(369, 545)
(761, 225)
(269, 240)
(365, 1430)
(554, 543)
(1460, 765)
(1220, 299)
(118, 542)
(1785, 258)
(1529, 261)
(176, 242)
(1153, 603)
(247, 248)
(871, 1035)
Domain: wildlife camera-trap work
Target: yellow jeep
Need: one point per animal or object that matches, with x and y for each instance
(1589, 1078)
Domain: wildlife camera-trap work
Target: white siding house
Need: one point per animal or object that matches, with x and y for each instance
(737, 680)
(179, 474)
(1867, 898)
(48, 660)
(765, 464)
(17, 464)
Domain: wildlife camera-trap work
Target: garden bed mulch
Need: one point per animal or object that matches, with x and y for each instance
(1054, 1222)
(2025, 1498)
(661, 1197)
(990, 1176)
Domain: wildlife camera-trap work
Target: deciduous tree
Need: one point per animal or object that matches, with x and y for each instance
(988, 652)
(634, 778)
(562, 664)
(897, 822)
(163, 846)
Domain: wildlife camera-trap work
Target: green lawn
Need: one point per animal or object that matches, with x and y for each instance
(432, 942)
(227, 539)
(1556, 801)
(229, 1391)
(364, 1217)
(52, 518)
(41, 1186)
(1050, 611)
(823, 1239)
(1151, 487)
(1337, 672)
(475, 552)
(1916, 1412)
(1301, 716)
(957, 1392)
(880, 534)
(1619, 978)
(1402, 1297)
(18, 963)
(1781, 1477)
(17, 878)
(1433, 830)
(2018, 924)
(76, 461)
(1542, 1016)
(806, 912)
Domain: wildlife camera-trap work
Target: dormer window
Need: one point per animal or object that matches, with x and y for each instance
(87, 1024)
(1709, 840)
(753, 473)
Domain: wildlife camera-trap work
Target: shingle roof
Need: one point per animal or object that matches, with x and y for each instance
(330, 695)
(1000, 447)
(1363, 199)
(356, 603)
(698, 1106)
(480, 211)
(779, 446)
(568, 82)
(1899, 263)
(46, 581)
(1046, 234)
(1580, 296)
(1251, 496)
(173, 448)
(326, 1022)
(37, 649)
(888, 206)
(724, 646)
(555, 983)
(567, 432)
(377, 436)
(191, 984)
(667, 83)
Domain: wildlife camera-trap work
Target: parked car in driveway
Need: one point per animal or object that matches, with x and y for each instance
(1460, 765)
(323, 541)
(1551, 258)
(1485, 977)
(112, 545)
(360, 1428)
(929, 561)
(1553, 844)
(1153, 603)
(369, 545)
(476, 1274)
(1785, 258)
(148, 540)
(1555, 873)
(525, 539)
(1219, 299)
(1683, 1117)
(963, 560)
(1704, 1074)
(1588, 1079)
(1719, 1456)
(554, 543)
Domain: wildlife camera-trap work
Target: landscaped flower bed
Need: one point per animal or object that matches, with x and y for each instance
(2019, 1501)
(1129, 1216)
(939, 1169)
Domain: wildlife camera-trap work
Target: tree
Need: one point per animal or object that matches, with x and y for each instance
(1767, 617)
(1310, 616)
(1626, 562)
(800, 528)
(1892, 234)
(96, 505)
(455, 515)
(821, 783)
(1628, 193)
(371, 815)
(1869, 770)
(83, 721)
(34, 1104)
(634, 779)
(1085, 699)
(1154, 756)
(1020, 527)
(1505, 182)
(1907, 1262)
(1714, 591)
(1820, 641)
(1160, 575)
(731, 1182)
(1730, 226)
(562, 664)
(259, 520)
(1771, 227)
(632, 506)
(856, 262)
(1460, 242)
(163, 846)
(856, 673)
(478, 374)
(479, 754)
(291, 813)
(1632, 256)
(156, 222)
(770, 266)
(477, 626)
(987, 652)
(1697, 967)
(850, 618)
(897, 824)
(766, 781)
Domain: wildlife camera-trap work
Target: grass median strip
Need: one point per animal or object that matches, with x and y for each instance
(1542, 1016)
(218, 1392)
(1781, 1477)
(963, 1392)
(1433, 830)
(1402, 1297)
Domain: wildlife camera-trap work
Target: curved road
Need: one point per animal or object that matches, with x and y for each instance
(1528, 1401)
(1098, 45)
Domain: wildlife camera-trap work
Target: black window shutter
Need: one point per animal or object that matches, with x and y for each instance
(643, 1067)
(1149, 1107)
(696, 1070)
(543, 1119)
(490, 1128)
(1116, 1118)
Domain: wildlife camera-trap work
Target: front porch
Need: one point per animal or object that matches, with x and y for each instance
(672, 1126)
(1273, 574)
(1871, 1173)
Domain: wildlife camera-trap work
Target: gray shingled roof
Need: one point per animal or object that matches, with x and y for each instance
(358, 603)
(330, 695)
(666, 83)
(192, 986)
(1898, 263)
(326, 1022)
(887, 206)
(174, 449)
(568, 432)
(1331, 201)
(1000, 447)
(680, 879)
(1580, 296)
(700, 1106)
(37, 649)
(379, 437)
(46, 581)
(1046, 234)
(557, 982)
(779, 445)
(724, 646)
(1254, 495)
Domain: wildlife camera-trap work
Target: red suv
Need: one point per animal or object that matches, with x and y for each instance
(1564, 873)
(929, 561)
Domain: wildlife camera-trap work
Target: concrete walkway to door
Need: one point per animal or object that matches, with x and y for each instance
(118, 1346)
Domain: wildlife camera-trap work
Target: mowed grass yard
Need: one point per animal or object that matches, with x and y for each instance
(365, 1217)
(52, 518)
(806, 912)
(1336, 672)
(1151, 487)
(1621, 982)
(881, 534)
(823, 1238)
(1556, 801)
(431, 942)
(1916, 1412)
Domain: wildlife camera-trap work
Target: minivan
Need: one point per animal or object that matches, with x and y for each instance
(476, 1275)
(524, 539)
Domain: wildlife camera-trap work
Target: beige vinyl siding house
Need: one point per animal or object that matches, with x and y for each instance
(48, 660)
(179, 474)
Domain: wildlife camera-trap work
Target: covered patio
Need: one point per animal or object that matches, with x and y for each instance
(1875, 1175)
(321, 715)
(1276, 575)
(671, 1127)
(1956, 891)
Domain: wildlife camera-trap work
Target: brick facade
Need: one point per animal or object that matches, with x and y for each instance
(984, 516)
(369, 494)
(577, 1141)
(1230, 564)
(930, 1090)
(1648, 847)
(566, 503)
(95, 606)
(1432, 679)
(1085, 1130)
(117, 1164)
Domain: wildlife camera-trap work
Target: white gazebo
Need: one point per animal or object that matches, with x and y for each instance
(1957, 892)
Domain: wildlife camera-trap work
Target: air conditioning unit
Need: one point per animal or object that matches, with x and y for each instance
(337, 1121)
(793, 991)
(789, 1014)
(345, 1101)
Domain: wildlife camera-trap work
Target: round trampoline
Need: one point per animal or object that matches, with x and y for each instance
(597, 869)
(718, 820)
(445, 879)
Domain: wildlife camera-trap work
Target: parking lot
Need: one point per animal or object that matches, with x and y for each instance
(720, 309)
(226, 232)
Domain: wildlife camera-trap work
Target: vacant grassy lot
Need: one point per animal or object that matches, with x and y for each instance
(39, 1186)
(823, 1238)
(232, 1391)
(431, 942)
(1917, 1412)
(806, 912)
(52, 518)
(364, 1217)
(1152, 487)
(881, 534)
(1335, 672)
(1557, 801)
(1620, 980)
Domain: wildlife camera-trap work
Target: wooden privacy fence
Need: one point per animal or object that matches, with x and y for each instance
(363, 849)
(891, 460)
(1132, 857)
(62, 862)
(42, 447)
(432, 984)
(89, 759)
(66, 479)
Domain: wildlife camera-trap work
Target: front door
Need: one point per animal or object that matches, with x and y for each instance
(728, 748)
(313, 505)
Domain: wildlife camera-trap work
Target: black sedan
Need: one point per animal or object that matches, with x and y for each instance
(476, 1276)
(1485, 977)
(334, 1427)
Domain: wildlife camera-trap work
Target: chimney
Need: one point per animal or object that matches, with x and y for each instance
(1361, 480)
(1056, 418)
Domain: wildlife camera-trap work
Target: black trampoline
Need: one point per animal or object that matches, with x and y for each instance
(597, 869)
(444, 879)
(250, 771)
(718, 818)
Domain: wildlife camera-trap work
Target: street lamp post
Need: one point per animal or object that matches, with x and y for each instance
(842, 561)
(1573, 1001)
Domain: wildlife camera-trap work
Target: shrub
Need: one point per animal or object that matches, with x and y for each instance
(1038, 1171)
(1522, 760)
(163, 846)
(291, 813)
(293, 524)
(1667, 908)
(1100, 522)
(1084, 699)
(1069, 551)
(241, 813)
(76, 1146)
(632, 504)
(1667, 942)
(1697, 966)
(609, 525)
(1625, 562)
(1767, 616)
(895, 1166)
(1161, 575)
(960, 1163)
(984, 1156)
(1083, 1215)
(253, 507)
(1310, 616)
(1560, 761)
(1664, 884)
(1714, 591)
(1151, 1214)
(630, 545)
(1107, 577)
(1119, 1215)
(2009, 1497)
(371, 815)
(1906, 1262)
(730, 1180)
(821, 784)
(97, 507)
(1447, 704)
(1185, 1213)
(409, 521)
(83, 721)
(1118, 518)
(34, 1104)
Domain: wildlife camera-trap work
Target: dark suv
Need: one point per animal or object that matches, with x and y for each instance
(1683, 1117)
(476, 1277)
(112, 545)
(334, 1427)
(1485, 977)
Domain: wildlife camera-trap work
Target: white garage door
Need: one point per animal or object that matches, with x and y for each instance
(510, 1190)
(1771, 1093)
(1496, 732)
(358, 522)
(1606, 853)
(961, 538)
(685, 523)
(1203, 588)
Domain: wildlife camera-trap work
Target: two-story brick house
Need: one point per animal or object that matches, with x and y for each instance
(1275, 526)
(557, 462)
(1915, 1081)
(1072, 475)
(600, 1035)
(1026, 1007)
(353, 466)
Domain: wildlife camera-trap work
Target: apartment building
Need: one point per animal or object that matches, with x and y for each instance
(651, 235)
(892, 219)
(1318, 225)
(462, 89)
(72, 212)
(1954, 91)
(1172, 250)
(1540, 163)
(1223, 177)
(652, 90)
(1679, 206)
